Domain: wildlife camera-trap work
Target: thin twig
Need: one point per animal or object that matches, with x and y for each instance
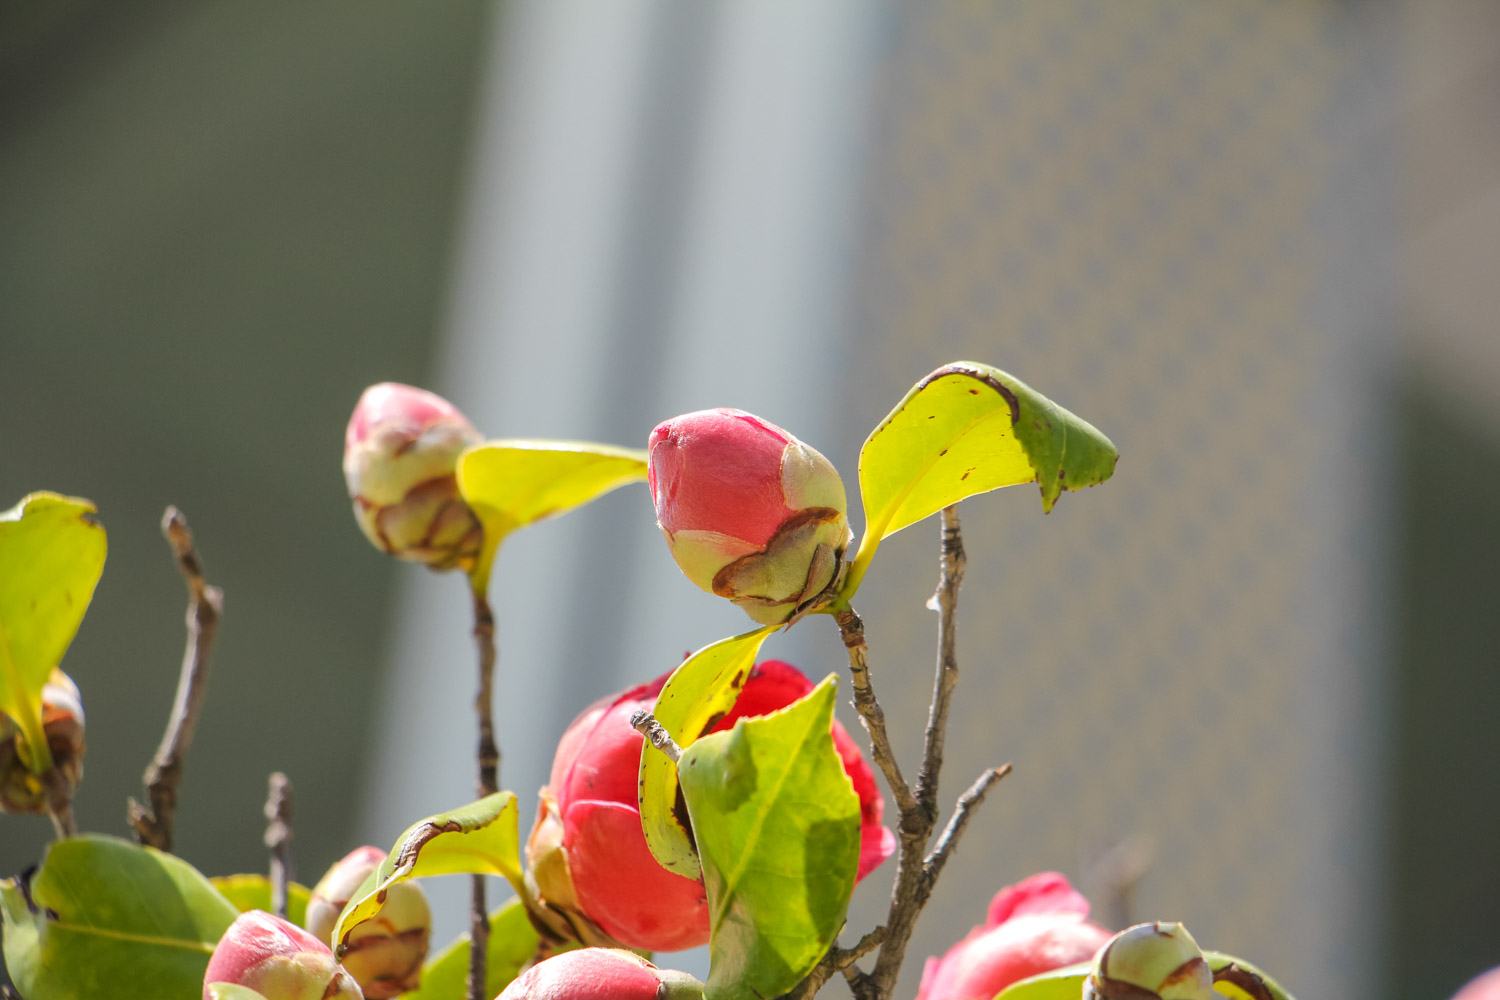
(489, 781)
(835, 961)
(279, 840)
(852, 630)
(945, 602)
(153, 823)
(948, 839)
(656, 734)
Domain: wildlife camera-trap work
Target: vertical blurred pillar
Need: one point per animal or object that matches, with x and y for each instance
(660, 220)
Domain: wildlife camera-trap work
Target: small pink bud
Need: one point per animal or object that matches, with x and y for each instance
(587, 852)
(749, 512)
(62, 724)
(385, 953)
(601, 974)
(1485, 986)
(1034, 926)
(279, 960)
(400, 452)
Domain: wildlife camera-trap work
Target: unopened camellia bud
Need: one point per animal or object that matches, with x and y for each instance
(62, 723)
(1151, 960)
(400, 452)
(385, 953)
(601, 974)
(749, 512)
(278, 960)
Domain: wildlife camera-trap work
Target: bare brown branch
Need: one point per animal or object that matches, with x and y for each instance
(945, 601)
(279, 840)
(836, 960)
(852, 630)
(948, 840)
(489, 779)
(153, 822)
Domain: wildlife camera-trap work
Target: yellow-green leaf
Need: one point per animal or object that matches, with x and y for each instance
(777, 821)
(103, 917)
(513, 943)
(51, 555)
(510, 484)
(1059, 984)
(232, 991)
(969, 428)
(702, 690)
(481, 838)
(253, 892)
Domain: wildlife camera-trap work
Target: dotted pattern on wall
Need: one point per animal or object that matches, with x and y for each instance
(1119, 203)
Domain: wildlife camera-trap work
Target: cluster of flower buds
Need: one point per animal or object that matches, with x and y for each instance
(587, 853)
(601, 974)
(385, 953)
(1034, 926)
(278, 960)
(21, 791)
(400, 452)
(1158, 960)
(749, 512)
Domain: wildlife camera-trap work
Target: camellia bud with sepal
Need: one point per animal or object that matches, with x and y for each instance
(1151, 960)
(601, 974)
(749, 512)
(21, 791)
(385, 953)
(400, 452)
(279, 960)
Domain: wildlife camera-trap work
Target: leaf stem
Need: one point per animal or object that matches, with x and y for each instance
(153, 823)
(279, 840)
(489, 777)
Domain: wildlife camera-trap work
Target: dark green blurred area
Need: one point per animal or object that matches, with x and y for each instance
(1445, 872)
(218, 222)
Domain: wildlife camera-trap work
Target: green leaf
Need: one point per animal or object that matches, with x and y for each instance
(481, 838)
(969, 428)
(510, 484)
(777, 821)
(107, 918)
(513, 943)
(700, 692)
(1059, 984)
(253, 892)
(51, 556)
(1238, 979)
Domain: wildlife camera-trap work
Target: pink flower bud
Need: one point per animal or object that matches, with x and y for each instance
(400, 451)
(601, 974)
(1485, 986)
(385, 953)
(279, 960)
(587, 852)
(749, 512)
(62, 724)
(1033, 927)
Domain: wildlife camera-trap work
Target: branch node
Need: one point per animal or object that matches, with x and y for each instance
(643, 722)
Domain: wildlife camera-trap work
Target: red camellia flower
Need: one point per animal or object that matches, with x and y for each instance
(400, 452)
(749, 512)
(587, 852)
(601, 974)
(279, 960)
(1033, 927)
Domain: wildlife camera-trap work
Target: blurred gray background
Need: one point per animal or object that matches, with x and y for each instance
(1255, 242)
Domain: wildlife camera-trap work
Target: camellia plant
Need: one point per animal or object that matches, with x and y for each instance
(719, 803)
